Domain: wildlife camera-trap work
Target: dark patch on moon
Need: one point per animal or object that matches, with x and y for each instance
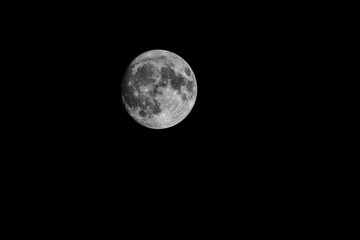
(144, 74)
(158, 88)
(177, 82)
(189, 86)
(155, 108)
(142, 113)
(167, 73)
(162, 83)
(147, 108)
(187, 71)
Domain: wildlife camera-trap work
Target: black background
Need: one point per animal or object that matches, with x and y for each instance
(246, 137)
(250, 61)
(248, 65)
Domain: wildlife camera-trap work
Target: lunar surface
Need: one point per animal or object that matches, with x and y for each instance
(159, 89)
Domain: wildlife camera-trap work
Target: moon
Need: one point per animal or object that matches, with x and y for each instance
(158, 89)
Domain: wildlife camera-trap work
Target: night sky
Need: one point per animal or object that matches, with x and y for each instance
(245, 152)
(251, 65)
(248, 60)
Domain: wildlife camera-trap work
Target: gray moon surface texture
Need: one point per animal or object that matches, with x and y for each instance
(158, 89)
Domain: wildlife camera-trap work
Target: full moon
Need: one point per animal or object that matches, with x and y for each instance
(158, 89)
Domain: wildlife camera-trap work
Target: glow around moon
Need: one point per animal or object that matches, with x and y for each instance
(159, 89)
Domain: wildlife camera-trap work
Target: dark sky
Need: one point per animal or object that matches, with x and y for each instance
(248, 62)
(245, 148)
